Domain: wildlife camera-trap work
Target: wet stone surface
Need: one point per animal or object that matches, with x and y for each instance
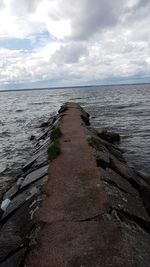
(35, 175)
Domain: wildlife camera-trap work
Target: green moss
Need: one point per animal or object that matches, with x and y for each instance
(54, 150)
(54, 147)
(55, 134)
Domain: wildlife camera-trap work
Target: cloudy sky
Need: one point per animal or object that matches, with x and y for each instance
(62, 43)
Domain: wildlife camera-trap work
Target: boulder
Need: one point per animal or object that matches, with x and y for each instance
(32, 137)
(111, 137)
(102, 159)
(85, 120)
(62, 109)
(44, 124)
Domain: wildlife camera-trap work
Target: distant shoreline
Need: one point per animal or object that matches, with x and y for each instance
(71, 87)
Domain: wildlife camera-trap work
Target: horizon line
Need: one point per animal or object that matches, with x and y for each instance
(73, 86)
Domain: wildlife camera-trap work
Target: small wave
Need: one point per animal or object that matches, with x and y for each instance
(2, 123)
(19, 110)
(39, 103)
(5, 134)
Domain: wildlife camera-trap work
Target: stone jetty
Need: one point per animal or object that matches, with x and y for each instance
(77, 202)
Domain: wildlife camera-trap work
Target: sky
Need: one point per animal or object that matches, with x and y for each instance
(57, 43)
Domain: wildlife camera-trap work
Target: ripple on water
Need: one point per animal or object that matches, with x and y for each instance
(125, 109)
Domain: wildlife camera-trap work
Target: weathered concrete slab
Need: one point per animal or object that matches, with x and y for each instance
(94, 243)
(35, 175)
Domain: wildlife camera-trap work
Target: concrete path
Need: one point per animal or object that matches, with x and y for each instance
(75, 226)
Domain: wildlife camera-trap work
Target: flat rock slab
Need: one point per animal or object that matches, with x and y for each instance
(19, 200)
(13, 233)
(35, 175)
(15, 260)
(126, 202)
(115, 179)
(38, 159)
(125, 171)
(11, 192)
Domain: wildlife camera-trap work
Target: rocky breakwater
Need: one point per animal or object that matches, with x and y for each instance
(19, 203)
(90, 209)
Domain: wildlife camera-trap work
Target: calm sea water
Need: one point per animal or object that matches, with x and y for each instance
(125, 109)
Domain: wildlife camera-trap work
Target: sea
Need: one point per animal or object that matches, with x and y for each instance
(124, 109)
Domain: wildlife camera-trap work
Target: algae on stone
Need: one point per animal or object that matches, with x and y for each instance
(54, 147)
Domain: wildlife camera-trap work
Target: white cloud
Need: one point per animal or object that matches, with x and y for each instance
(89, 40)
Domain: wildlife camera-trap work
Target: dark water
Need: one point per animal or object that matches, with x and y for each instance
(125, 109)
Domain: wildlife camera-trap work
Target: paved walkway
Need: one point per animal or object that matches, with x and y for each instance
(76, 229)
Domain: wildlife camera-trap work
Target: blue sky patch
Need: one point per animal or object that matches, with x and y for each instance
(26, 44)
(16, 44)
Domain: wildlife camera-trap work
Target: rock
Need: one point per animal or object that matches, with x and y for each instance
(91, 131)
(111, 137)
(62, 109)
(32, 137)
(5, 203)
(44, 124)
(19, 181)
(85, 120)
(102, 159)
(116, 180)
(43, 135)
(126, 172)
(14, 232)
(34, 176)
(116, 152)
(39, 159)
(139, 241)
(85, 117)
(145, 195)
(119, 200)
(84, 113)
(15, 260)
(19, 200)
(11, 192)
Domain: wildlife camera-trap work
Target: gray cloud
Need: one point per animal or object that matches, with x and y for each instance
(88, 17)
(107, 39)
(2, 4)
(69, 53)
(24, 7)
